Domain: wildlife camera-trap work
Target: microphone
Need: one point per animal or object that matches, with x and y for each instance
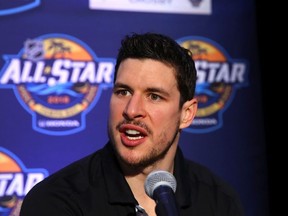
(161, 185)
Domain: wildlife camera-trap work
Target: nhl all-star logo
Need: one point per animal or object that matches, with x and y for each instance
(15, 182)
(218, 78)
(57, 78)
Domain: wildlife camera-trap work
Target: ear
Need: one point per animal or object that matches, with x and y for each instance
(189, 110)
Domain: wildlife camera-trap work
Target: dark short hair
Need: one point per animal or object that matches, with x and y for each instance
(162, 48)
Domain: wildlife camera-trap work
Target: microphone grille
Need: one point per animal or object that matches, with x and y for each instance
(157, 178)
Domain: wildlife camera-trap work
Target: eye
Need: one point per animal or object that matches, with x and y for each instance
(122, 92)
(155, 97)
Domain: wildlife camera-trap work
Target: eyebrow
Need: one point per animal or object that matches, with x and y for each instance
(158, 90)
(150, 89)
(121, 85)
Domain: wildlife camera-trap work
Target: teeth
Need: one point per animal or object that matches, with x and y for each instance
(132, 132)
(134, 138)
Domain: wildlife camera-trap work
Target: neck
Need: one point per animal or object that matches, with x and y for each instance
(136, 179)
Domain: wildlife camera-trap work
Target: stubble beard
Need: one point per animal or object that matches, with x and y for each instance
(151, 158)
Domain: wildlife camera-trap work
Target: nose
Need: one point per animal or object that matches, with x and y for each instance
(135, 108)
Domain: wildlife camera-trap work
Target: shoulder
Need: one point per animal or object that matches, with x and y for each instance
(214, 188)
(207, 178)
(68, 190)
(193, 173)
(204, 191)
(74, 177)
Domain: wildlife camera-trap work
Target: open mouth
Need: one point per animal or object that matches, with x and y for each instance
(132, 135)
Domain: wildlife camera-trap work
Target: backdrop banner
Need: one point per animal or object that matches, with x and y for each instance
(56, 75)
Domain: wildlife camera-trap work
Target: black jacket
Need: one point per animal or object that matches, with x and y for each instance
(95, 186)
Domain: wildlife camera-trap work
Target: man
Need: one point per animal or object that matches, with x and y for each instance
(152, 101)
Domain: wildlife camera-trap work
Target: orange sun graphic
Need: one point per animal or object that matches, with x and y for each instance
(7, 164)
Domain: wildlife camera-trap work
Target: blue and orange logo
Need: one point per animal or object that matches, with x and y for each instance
(58, 80)
(218, 78)
(15, 182)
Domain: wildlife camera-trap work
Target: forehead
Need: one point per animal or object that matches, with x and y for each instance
(141, 71)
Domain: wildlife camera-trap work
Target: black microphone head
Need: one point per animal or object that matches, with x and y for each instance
(159, 178)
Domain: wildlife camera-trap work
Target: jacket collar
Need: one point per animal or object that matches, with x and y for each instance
(119, 190)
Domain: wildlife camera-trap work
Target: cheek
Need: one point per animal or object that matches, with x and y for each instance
(165, 115)
(168, 122)
(115, 107)
(115, 114)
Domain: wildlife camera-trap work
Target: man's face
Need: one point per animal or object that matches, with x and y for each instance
(144, 112)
